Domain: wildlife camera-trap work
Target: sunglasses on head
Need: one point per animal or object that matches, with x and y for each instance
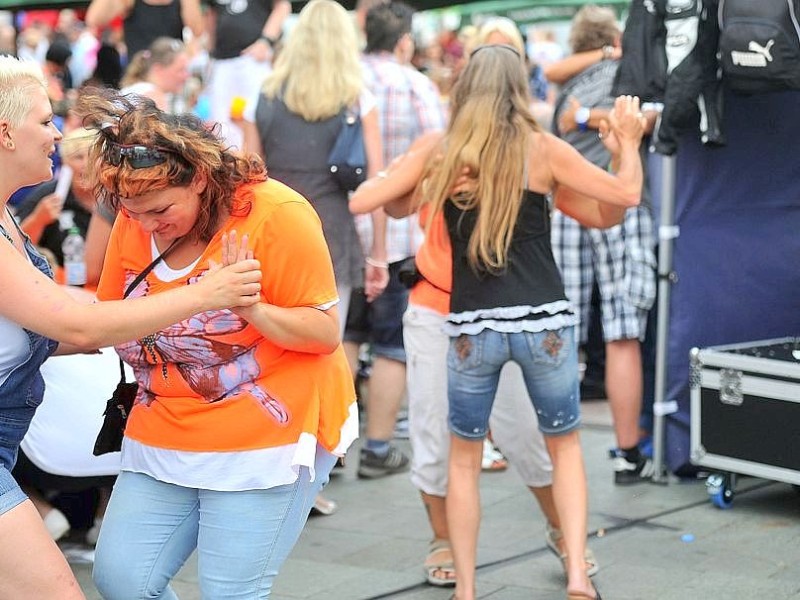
(137, 155)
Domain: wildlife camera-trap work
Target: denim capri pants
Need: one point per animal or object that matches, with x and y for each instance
(549, 363)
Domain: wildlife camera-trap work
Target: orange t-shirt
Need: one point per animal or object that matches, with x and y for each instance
(435, 263)
(213, 383)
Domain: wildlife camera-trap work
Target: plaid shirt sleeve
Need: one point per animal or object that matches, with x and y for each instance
(426, 103)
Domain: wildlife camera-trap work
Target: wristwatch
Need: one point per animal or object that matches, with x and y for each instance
(582, 118)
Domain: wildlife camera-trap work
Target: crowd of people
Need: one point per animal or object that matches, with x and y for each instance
(505, 210)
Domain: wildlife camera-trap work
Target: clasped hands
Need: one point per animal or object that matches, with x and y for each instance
(238, 274)
(625, 125)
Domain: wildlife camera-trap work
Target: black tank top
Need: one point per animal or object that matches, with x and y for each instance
(239, 24)
(146, 22)
(527, 295)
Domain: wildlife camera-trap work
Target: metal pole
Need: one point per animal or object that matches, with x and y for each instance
(667, 232)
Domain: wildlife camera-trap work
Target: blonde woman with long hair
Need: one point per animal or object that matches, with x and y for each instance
(507, 302)
(316, 78)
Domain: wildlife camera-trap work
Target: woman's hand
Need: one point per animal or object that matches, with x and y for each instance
(236, 282)
(609, 139)
(626, 121)
(376, 278)
(566, 120)
(466, 183)
(234, 251)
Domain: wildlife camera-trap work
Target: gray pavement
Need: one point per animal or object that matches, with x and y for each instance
(664, 542)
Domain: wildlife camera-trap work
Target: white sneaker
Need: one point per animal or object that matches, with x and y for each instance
(94, 532)
(56, 523)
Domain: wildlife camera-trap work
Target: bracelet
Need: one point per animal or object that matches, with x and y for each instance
(269, 40)
(378, 264)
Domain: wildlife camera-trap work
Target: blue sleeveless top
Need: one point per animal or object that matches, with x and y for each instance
(23, 389)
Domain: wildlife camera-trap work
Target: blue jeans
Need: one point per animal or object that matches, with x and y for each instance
(242, 538)
(380, 322)
(549, 363)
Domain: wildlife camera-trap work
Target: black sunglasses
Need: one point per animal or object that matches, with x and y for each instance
(138, 156)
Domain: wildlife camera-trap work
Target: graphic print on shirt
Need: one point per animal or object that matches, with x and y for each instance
(214, 369)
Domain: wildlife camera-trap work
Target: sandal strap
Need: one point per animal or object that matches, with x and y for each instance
(435, 549)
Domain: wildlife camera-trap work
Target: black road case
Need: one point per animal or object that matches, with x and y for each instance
(745, 412)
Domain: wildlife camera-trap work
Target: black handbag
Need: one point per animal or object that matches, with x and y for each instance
(115, 416)
(119, 406)
(348, 159)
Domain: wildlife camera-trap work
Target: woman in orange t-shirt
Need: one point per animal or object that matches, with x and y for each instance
(240, 413)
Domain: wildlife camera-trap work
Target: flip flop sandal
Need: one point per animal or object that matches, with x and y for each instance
(553, 537)
(439, 568)
(583, 595)
(492, 460)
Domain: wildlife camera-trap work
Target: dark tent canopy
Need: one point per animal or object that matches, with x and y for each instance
(349, 4)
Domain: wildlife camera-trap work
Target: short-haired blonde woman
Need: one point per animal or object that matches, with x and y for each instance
(36, 314)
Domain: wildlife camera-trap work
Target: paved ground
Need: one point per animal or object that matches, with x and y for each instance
(664, 542)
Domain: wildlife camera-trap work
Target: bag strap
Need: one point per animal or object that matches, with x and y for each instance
(149, 268)
(136, 282)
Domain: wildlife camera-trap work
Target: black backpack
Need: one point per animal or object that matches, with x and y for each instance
(759, 45)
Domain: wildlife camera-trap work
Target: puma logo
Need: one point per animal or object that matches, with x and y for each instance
(762, 50)
(758, 56)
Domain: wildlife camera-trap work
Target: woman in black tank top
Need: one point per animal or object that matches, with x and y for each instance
(491, 174)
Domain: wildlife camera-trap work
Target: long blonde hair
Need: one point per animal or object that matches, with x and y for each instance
(488, 134)
(17, 80)
(318, 72)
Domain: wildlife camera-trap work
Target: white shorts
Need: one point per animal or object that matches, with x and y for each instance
(241, 77)
(513, 420)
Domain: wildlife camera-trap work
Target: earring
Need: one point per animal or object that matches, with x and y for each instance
(10, 145)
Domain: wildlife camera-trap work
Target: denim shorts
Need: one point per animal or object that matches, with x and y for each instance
(549, 363)
(380, 322)
(11, 494)
(426, 383)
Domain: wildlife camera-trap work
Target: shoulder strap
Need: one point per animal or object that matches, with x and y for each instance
(136, 282)
(149, 268)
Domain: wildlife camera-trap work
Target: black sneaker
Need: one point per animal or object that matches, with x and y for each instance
(372, 465)
(627, 472)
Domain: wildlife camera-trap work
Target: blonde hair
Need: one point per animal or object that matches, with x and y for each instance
(75, 141)
(17, 80)
(505, 27)
(318, 72)
(488, 134)
(163, 51)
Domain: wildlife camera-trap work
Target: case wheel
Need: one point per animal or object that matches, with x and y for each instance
(720, 489)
